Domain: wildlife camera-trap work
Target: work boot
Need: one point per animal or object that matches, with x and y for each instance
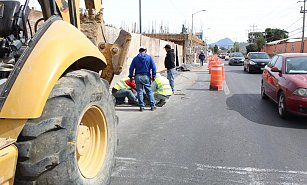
(153, 108)
(161, 103)
(141, 109)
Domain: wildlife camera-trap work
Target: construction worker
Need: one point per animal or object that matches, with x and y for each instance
(125, 88)
(143, 68)
(169, 63)
(161, 89)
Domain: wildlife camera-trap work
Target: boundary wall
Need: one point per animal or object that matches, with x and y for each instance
(155, 48)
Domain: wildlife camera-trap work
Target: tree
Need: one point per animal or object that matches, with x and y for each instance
(275, 34)
(260, 42)
(215, 49)
(223, 48)
(251, 48)
(256, 38)
(236, 46)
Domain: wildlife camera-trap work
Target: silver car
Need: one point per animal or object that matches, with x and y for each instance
(236, 58)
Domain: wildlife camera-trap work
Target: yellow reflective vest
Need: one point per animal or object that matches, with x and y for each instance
(163, 87)
(121, 85)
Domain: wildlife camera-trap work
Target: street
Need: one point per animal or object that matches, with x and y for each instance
(211, 137)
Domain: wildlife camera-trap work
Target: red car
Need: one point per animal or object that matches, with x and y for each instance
(284, 80)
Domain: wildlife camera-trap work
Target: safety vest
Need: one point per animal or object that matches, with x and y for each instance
(163, 87)
(122, 85)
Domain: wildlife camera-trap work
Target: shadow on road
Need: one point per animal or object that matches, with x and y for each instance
(135, 109)
(265, 112)
(190, 89)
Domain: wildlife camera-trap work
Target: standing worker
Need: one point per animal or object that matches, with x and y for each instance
(144, 69)
(161, 89)
(202, 57)
(124, 88)
(169, 64)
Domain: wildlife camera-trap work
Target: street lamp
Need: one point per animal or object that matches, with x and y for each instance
(193, 17)
(140, 16)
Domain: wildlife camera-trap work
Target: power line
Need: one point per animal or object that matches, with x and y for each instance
(295, 30)
(294, 23)
(295, 34)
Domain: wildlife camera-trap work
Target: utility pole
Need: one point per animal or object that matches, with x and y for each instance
(303, 10)
(253, 31)
(140, 15)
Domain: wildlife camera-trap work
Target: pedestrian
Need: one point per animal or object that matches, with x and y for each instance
(202, 58)
(125, 88)
(162, 90)
(143, 69)
(169, 64)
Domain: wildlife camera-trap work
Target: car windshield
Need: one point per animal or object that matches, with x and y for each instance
(259, 56)
(237, 55)
(296, 65)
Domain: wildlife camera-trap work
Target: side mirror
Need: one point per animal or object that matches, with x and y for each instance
(275, 69)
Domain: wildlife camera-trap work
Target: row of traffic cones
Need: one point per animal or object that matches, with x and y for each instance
(217, 73)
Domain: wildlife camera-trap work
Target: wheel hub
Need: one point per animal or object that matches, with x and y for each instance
(83, 140)
(92, 141)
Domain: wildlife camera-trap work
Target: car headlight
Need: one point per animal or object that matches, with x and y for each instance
(242, 60)
(251, 62)
(300, 92)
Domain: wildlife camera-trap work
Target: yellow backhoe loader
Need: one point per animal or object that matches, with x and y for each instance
(57, 117)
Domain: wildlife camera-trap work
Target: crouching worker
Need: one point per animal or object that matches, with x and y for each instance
(125, 88)
(162, 89)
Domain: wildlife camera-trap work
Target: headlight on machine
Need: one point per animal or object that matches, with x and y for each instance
(300, 92)
(251, 62)
(242, 60)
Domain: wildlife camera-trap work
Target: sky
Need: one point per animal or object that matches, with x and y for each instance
(222, 18)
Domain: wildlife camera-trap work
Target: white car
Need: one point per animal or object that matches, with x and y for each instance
(227, 56)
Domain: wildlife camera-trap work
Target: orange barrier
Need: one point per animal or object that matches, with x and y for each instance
(221, 63)
(217, 77)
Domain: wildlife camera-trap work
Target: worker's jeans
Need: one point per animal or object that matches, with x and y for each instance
(143, 83)
(121, 94)
(171, 78)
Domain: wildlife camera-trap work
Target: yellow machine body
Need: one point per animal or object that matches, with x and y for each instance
(60, 47)
(8, 160)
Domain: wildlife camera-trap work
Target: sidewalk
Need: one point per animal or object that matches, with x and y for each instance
(182, 79)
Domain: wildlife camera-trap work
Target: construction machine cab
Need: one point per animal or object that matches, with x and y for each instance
(13, 33)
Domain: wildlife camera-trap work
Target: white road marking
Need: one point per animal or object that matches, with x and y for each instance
(249, 169)
(140, 171)
(226, 89)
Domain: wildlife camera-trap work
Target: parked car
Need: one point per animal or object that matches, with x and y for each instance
(227, 56)
(236, 58)
(284, 80)
(255, 61)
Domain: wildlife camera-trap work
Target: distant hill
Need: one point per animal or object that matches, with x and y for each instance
(226, 42)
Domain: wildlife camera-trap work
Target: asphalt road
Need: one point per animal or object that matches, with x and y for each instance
(211, 137)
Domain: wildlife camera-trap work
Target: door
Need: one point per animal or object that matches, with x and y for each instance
(267, 77)
(275, 78)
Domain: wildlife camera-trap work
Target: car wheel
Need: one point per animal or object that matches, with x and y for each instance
(263, 95)
(282, 111)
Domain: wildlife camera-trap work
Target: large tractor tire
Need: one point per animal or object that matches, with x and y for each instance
(74, 141)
